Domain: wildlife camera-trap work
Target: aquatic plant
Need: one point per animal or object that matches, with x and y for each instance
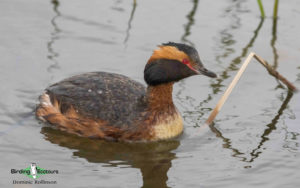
(262, 12)
(275, 10)
(261, 8)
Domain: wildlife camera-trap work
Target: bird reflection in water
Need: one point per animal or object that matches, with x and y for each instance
(152, 158)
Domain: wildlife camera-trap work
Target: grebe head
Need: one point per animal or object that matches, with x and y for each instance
(172, 62)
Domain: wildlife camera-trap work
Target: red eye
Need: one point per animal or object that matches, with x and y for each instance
(185, 61)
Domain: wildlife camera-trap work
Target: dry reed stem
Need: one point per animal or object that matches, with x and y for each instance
(274, 73)
(236, 79)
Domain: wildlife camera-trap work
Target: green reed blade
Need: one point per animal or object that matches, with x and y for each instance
(261, 8)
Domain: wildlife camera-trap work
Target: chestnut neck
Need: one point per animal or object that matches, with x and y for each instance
(159, 97)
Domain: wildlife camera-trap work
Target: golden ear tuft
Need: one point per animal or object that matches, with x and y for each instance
(168, 52)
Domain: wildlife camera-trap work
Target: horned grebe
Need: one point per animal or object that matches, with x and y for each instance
(114, 107)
